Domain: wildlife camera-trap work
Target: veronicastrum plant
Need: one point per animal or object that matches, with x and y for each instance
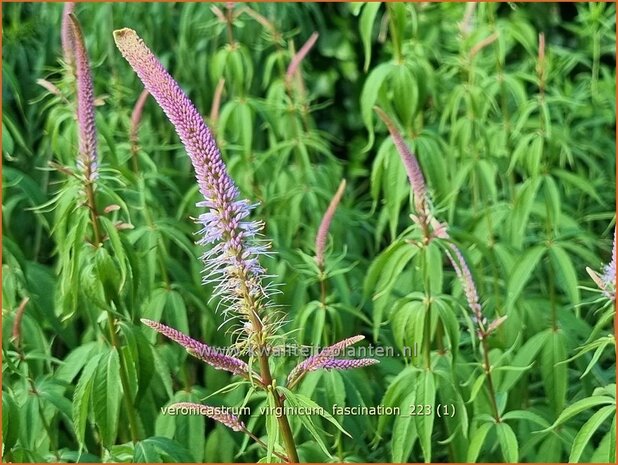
(232, 264)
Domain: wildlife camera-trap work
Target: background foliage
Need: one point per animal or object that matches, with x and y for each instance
(518, 148)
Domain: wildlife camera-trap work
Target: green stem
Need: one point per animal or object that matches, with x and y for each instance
(427, 327)
(267, 379)
(94, 217)
(490, 383)
(394, 34)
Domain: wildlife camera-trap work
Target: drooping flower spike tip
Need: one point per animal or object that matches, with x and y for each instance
(219, 414)
(88, 159)
(232, 261)
(320, 239)
(200, 350)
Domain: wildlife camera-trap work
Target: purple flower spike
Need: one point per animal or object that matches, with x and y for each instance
(232, 261)
(199, 350)
(413, 169)
(136, 115)
(66, 37)
(334, 364)
(87, 160)
(320, 240)
(219, 414)
(465, 277)
(302, 53)
(324, 357)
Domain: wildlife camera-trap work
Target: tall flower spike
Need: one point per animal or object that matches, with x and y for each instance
(136, 115)
(216, 413)
(320, 239)
(199, 350)
(413, 169)
(87, 160)
(465, 278)
(232, 261)
(66, 36)
(302, 53)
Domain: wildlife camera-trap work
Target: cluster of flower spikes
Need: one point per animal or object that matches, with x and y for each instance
(232, 261)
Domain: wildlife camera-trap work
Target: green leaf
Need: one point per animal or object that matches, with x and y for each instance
(156, 445)
(272, 428)
(382, 275)
(369, 97)
(523, 358)
(553, 372)
(404, 431)
(522, 208)
(552, 200)
(10, 421)
(526, 415)
(565, 272)
(522, 272)
(366, 21)
(308, 404)
(580, 406)
(477, 439)
(81, 398)
(508, 443)
(146, 453)
(305, 419)
(425, 395)
(584, 435)
(106, 397)
(578, 182)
